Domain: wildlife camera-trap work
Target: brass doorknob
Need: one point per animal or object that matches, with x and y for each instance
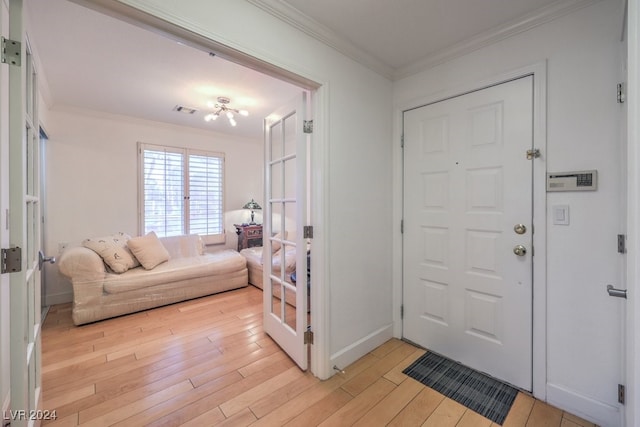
(520, 228)
(520, 250)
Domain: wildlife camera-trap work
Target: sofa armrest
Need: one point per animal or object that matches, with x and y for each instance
(81, 264)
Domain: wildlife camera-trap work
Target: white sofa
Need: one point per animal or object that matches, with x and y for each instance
(189, 272)
(255, 264)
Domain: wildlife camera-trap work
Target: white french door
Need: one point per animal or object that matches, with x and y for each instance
(24, 230)
(5, 306)
(285, 301)
(467, 239)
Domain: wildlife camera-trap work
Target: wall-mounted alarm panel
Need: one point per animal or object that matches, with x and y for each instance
(573, 181)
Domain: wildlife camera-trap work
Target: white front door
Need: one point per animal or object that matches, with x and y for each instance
(467, 208)
(24, 200)
(285, 215)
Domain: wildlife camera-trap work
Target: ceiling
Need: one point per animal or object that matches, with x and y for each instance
(401, 37)
(92, 61)
(88, 60)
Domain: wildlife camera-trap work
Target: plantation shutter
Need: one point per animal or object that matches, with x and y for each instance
(206, 206)
(164, 200)
(183, 192)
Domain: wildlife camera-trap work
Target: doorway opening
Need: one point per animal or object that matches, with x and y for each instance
(218, 52)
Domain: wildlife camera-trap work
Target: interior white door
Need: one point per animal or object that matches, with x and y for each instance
(24, 199)
(285, 213)
(467, 209)
(5, 306)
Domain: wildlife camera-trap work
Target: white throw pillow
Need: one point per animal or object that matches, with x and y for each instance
(148, 250)
(276, 244)
(113, 250)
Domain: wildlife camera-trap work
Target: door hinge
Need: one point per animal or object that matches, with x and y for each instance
(308, 336)
(402, 141)
(11, 51)
(533, 154)
(402, 226)
(11, 261)
(621, 394)
(620, 95)
(307, 231)
(307, 126)
(622, 245)
(402, 311)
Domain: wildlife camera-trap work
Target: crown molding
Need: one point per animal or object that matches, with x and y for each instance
(295, 18)
(313, 28)
(510, 29)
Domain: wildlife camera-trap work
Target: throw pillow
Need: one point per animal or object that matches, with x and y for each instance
(113, 250)
(276, 244)
(148, 250)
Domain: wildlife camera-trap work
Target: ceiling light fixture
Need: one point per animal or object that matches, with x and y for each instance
(222, 108)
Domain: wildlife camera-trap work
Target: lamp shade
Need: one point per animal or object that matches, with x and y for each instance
(253, 205)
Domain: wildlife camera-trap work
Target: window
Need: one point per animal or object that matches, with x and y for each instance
(182, 192)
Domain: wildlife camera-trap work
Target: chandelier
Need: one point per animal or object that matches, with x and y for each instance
(222, 108)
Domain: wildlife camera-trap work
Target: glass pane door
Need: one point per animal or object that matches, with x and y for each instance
(285, 290)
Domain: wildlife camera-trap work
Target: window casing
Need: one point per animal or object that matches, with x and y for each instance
(182, 192)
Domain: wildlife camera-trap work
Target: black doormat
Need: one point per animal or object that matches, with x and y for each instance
(479, 392)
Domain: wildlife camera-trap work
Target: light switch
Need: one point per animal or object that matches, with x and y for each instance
(561, 215)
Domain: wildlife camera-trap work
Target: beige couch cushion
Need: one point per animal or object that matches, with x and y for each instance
(177, 269)
(148, 250)
(113, 250)
(183, 246)
(276, 244)
(255, 257)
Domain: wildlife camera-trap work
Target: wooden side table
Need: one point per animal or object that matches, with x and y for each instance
(249, 235)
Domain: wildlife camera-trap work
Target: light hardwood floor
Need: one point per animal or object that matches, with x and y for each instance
(208, 362)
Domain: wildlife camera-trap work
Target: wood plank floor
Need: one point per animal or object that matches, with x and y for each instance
(208, 362)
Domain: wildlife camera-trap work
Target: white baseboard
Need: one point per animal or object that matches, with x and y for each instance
(61, 298)
(355, 351)
(600, 413)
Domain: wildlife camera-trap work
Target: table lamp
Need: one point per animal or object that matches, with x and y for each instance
(253, 206)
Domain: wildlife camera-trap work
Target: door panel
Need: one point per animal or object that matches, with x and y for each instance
(467, 295)
(285, 300)
(24, 183)
(4, 209)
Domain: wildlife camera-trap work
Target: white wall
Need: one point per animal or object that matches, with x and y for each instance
(584, 131)
(352, 183)
(92, 178)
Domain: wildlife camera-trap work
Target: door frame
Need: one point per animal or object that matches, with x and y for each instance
(320, 363)
(539, 73)
(632, 351)
(42, 140)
